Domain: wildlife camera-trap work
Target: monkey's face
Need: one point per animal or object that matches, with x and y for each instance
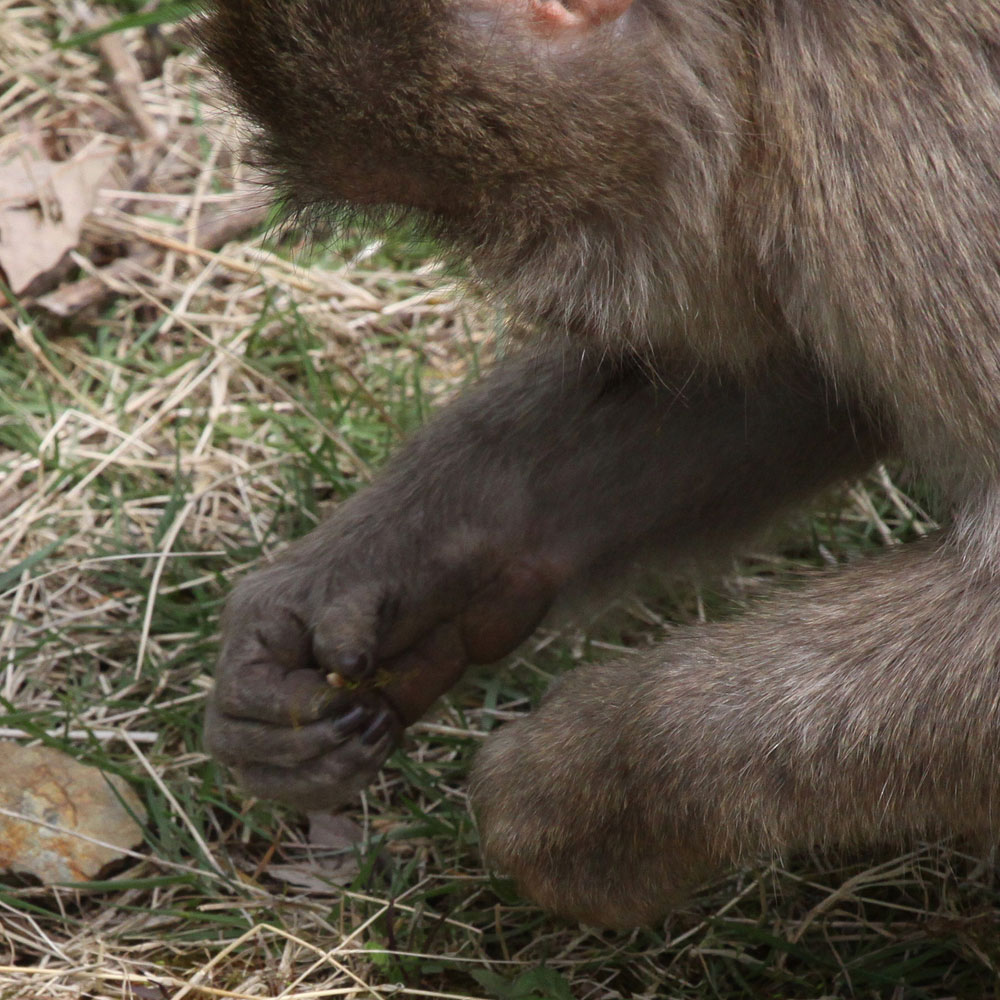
(519, 130)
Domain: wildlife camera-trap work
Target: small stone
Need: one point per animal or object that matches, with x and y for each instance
(61, 802)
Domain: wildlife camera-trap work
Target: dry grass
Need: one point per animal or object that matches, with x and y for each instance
(209, 399)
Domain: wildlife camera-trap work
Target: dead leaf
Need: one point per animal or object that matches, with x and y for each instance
(60, 802)
(334, 842)
(318, 878)
(43, 205)
(213, 232)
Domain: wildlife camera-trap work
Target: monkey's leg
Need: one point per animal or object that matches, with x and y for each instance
(865, 707)
(545, 471)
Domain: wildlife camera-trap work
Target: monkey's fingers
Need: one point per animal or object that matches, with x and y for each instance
(261, 691)
(265, 673)
(325, 781)
(266, 669)
(415, 646)
(344, 632)
(358, 635)
(242, 741)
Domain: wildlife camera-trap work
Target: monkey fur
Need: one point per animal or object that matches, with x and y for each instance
(759, 241)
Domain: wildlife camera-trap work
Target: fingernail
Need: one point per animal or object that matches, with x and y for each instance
(377, 728)
(349, 722)
(355, 664)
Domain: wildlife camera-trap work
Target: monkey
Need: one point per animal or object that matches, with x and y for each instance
(757, 243)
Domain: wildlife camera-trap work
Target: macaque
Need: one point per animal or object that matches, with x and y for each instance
(758, 243)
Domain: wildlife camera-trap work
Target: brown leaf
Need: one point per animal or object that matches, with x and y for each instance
(319, 878)
(59, 802)
(333, 840)
(43, 205)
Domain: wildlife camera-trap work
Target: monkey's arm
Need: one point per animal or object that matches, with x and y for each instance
(548, 469)
(863, 708)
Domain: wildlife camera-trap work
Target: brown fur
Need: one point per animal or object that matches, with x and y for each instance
(761, 239)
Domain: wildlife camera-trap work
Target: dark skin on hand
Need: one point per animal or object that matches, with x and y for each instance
(757, 242)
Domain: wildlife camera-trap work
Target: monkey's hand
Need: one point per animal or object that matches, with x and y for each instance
(328, 654)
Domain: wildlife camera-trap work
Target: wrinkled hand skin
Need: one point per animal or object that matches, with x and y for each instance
(398, 628)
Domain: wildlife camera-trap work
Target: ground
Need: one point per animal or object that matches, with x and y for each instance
(183, 390)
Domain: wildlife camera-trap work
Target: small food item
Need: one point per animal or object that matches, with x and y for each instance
(342, 683)
(411, 681)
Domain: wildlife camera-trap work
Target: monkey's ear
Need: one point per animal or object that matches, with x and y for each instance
(554, 18)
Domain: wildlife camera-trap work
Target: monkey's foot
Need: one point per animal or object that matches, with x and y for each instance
(572, 802)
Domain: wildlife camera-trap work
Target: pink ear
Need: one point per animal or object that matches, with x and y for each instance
(554, 17)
